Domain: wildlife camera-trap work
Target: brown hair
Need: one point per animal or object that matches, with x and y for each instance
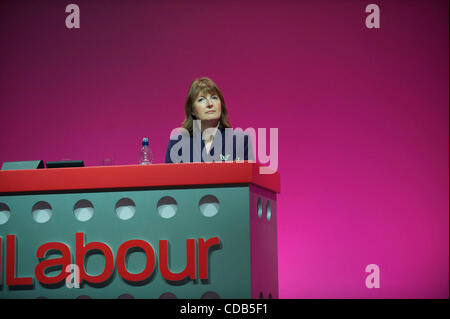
(199, 86)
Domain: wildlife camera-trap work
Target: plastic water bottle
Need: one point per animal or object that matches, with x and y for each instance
(145, 154)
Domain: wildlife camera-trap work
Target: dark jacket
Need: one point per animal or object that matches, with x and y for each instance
(236, 145)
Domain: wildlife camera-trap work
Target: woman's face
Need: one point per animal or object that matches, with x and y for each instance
(207, 107)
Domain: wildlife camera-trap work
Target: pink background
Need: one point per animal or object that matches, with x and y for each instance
(362, 114)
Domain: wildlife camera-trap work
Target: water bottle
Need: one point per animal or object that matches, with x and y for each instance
(145, 154)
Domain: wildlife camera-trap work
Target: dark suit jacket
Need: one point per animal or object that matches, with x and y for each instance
(235, 145)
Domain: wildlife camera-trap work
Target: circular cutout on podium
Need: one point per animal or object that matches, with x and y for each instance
(259, 206)
(268, 211)
(5, 213)
(41, 212)
(125, 208)
(83, 210)
(209, 205)
(167, 207)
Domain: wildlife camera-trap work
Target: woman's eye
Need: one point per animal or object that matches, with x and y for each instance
(215, 97)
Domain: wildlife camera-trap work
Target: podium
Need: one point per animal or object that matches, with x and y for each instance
(192, 230)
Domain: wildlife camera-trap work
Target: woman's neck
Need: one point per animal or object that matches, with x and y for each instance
(201, 126)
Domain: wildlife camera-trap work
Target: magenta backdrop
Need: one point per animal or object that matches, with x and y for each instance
(362, 114)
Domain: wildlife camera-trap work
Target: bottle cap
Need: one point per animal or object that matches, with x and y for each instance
(145, 141)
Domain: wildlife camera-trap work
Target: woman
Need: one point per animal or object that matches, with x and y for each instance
(206, 134)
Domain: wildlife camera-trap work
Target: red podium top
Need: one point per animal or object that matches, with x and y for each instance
(129, 176)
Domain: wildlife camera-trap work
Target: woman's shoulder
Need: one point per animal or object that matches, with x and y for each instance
(178, 133)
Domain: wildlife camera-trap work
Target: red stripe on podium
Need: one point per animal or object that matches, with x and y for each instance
(129, 176)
